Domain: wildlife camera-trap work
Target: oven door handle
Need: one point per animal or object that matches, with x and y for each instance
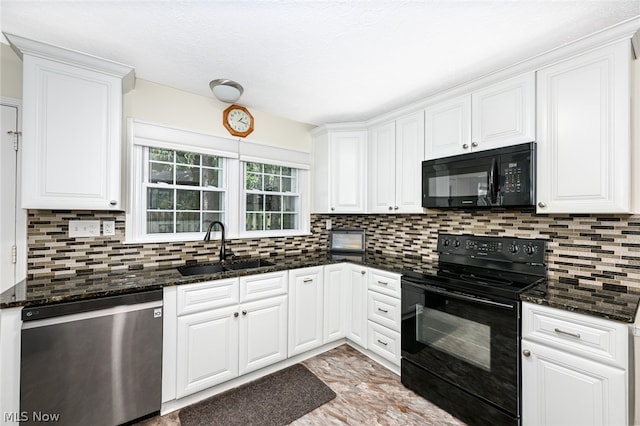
(467, 298)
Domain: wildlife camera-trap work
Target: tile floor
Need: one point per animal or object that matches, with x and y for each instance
(367, 393)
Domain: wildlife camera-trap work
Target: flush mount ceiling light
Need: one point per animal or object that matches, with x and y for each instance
(226, 90)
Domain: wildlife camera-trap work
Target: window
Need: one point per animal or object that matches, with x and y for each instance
(272, 200)
(184, 191)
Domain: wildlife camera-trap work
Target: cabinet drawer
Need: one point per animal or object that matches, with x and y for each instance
(383, 309)
(207, 295)
(384, 342)
(254, 287)
(384, 282)
(595, 338)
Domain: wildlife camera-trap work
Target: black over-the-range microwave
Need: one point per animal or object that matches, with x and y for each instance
(502, 177)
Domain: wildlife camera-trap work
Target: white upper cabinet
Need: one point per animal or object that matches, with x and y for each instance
(499, 115)
(396, 151)
(339, 171)
(584, 146)
(72, 128)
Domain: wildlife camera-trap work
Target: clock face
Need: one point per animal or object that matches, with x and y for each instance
(238, 120)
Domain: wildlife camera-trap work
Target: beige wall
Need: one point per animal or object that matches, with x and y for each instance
(10, 73)
(164, 105)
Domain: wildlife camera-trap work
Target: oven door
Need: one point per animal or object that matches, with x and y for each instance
(470, 342)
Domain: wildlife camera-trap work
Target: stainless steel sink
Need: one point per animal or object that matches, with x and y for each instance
(212, 268)
(206, 268)
(247, 264)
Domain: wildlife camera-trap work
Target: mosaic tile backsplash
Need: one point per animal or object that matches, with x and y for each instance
(593, 249)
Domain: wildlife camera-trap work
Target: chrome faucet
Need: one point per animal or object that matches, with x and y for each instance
(223, 251)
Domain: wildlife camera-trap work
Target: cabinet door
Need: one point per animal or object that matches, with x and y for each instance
(306, 293)
(263, 333)
(357, 300)
(382, 168)
(72, 137)
(448, 128)
(563, 389)
(409, 155)
(207, 352)
(583, 133)
(347, 159)
(504, 114)
(336, 296)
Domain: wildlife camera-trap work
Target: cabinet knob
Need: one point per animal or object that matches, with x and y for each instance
(333, 209)
(396, 208)
(113, 202)
(244, 312)
(465, 146)
(390, 208)
(526, 352)
(541, 204)
(235, 314)
(363, 272)
(474, 144)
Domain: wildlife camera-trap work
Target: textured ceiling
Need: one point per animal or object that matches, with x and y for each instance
(314, 61)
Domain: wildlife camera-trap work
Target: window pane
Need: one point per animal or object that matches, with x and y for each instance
(210, 161)
(270, 168)
(290, 204)
(159, 172)
(272, 183)
(255, 202)
(254, 181)
(289, 221)
(288, 171)
(188, 175)
(159, 199)
(159, 222)
(254, 222)
(210, 217)
(289, 184)
(254, 167)
(187, 222)
(211, 177)
(187, 158)
(273, 221)
(212, 200)
(187, 200)
(157, 154)
(273, 203)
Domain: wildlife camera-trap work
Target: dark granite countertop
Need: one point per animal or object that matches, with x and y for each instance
(586, 299)
(66, 288)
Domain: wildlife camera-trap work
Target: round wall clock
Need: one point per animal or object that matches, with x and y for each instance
(238, 120)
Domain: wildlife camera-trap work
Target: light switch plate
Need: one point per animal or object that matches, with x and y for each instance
(84, 228)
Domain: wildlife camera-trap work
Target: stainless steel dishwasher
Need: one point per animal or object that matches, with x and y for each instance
(92, 362)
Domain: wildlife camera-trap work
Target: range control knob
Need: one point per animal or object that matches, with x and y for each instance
(456, 243)
(445, 243)
(513, 248)
(530, 249)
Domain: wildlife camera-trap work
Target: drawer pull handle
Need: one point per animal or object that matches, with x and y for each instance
(307, 280)
(383, 310)
(566, 333)
(382, 343)
(382, 282)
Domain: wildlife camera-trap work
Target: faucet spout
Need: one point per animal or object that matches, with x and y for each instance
(207, 237)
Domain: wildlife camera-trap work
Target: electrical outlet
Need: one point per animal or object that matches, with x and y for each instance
(84, 228)
(108, 227)
(328, 226)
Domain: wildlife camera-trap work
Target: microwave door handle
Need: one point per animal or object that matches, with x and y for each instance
(493, 185)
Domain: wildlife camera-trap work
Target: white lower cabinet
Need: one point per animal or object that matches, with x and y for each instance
(384, 314)
(220, 335)
(356, 282)
(336, 297)
(574, 369)
(306, 295)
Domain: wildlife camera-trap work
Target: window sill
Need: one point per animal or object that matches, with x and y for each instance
(173, 238)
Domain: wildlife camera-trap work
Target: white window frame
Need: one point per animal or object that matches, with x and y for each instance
(304, 216)
(144, 134)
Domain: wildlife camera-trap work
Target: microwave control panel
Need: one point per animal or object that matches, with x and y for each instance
(513, 178)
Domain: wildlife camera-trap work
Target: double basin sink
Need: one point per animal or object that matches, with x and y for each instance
(212, 268)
